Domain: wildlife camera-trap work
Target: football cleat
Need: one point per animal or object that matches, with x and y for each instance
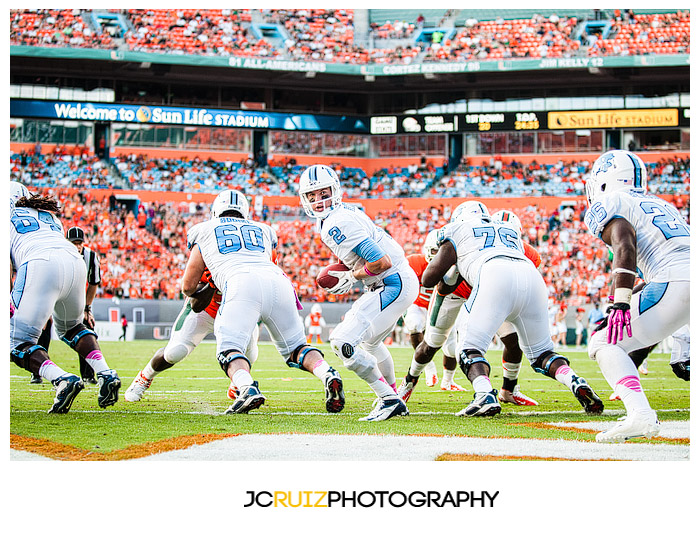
(109, 384)
(483, 405)
(335, 397)
(406, 388)
(232, 391)
(36, 379)
(67, 388)
(590, 401)
(682, 369)
(386, 409)
(249, 398)
(643, 368)
(137, 388)
(91, 381)
(516, 397)
(431, 377)
(635, 424)
(451, 386)
(614, 396)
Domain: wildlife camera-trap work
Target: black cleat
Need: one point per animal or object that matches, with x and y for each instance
(36, 379)
(67, 388)
(583, 392)
(109, 384)
(249, 399)
(335, 397)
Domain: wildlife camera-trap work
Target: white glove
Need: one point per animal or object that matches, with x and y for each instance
(345, 281)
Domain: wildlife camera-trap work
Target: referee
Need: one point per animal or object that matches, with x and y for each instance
(94, 277)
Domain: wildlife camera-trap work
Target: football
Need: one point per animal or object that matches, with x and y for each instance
(325, 280)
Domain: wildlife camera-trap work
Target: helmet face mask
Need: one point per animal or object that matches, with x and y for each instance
(430, 246)
(315, 178)
(230, 200)
(469, 209)
(616, 170)
(506, 216)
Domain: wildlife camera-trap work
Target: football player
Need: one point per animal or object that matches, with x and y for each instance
(416, 315)
(50, 282)
(489, 255)
(443, 313)
(194, 322)
(238, 252)
(648, 237)
(379, 262)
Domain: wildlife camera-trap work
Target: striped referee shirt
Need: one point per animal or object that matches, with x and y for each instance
(92, 262)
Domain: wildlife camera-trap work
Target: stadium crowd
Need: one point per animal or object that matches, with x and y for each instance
(143, 254)
(328, 35)
(497, 177)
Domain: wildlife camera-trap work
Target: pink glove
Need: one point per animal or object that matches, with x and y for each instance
(619, 318)
(12, 309)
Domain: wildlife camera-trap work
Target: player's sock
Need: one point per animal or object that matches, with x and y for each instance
(242, 378)
(382, 389)
(448, 376)
(50, 371)
(321, 368)
(622, 375)
(629, 389)
(564, 375)
(510, 375)
(482, 384)
(97, 361)
(416, 369)
(149, 372)
(385, 363)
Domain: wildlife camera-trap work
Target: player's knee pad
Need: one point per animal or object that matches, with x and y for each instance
(227, 356)
(73, 335)
(296, 358)
(176, 353)
(359, 362)
(469, 357)
(543, 364)
(20, 355)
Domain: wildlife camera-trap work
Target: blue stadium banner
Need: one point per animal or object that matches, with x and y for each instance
(168, 115)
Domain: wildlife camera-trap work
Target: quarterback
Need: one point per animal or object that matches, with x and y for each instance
(379, 262)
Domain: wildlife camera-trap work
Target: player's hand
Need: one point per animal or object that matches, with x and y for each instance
(206, 276)
(89, 320)
(345, 281)
(619, 321)
(12, 309)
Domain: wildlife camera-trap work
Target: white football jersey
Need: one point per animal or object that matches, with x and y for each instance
(478, 239)
(34, 234)
(231, 245)
(663, 236)
(351, 235)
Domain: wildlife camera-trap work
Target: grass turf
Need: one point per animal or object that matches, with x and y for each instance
(190, 399)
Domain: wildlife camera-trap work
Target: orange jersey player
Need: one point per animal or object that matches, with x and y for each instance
(189, 329)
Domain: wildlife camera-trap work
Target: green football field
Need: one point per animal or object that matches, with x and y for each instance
(190, 400)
